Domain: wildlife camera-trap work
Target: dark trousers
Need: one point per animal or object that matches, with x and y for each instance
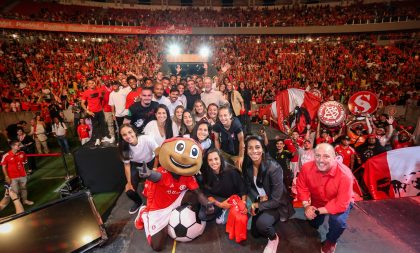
(337, 223)
(99, 127)
(263, 223)
(64, 144)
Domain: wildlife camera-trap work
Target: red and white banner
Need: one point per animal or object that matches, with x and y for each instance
(393, 174)
(363, 102)
(288, 100)
(79, 28)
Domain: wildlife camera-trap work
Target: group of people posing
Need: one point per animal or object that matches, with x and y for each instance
(232, 164)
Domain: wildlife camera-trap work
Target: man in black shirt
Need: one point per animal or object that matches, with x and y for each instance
(191, 94)
(142, 112)
(283, 157)
(370, 148)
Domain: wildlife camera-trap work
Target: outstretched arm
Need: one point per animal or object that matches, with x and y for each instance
(149, 174)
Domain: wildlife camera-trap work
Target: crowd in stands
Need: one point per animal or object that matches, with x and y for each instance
(44, 71)
(302, 15)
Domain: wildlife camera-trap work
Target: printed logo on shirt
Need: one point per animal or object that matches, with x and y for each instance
(182, 187)
(139, 123)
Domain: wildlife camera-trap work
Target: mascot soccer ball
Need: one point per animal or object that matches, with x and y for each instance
(184, 226)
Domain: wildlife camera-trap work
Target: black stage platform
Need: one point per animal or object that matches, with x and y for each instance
(374, 227)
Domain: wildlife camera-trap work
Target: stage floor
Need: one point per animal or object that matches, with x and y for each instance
(374, 227)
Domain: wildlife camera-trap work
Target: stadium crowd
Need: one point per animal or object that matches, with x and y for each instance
(301, 15)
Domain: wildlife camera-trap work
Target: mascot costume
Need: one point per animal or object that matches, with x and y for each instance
(170, 186)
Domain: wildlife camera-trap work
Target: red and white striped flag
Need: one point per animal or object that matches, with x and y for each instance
(393, 174)
(286, 102)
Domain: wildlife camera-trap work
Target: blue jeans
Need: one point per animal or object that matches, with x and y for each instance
(62, 141)
(337, 223)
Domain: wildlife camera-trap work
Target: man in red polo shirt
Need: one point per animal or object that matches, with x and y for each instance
(14, 171)
(92, 104)
(325, 187)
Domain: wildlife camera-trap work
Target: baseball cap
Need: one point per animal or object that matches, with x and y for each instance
(346, 138)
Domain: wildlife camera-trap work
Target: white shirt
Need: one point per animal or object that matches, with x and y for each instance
(261, 191)
(214, 96)
(162, 100)
(59, 129)
(183, 99)
(144, 151)
(172, 106)
(152, 129)
(118, 100)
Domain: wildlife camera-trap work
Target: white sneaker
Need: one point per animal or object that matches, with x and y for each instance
(97, 142)
(221, 219)
(272, 245)
(106, 139)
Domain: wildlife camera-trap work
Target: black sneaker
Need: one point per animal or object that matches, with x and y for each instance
(134, 208)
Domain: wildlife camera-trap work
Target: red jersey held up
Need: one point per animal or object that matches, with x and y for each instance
(291, 147)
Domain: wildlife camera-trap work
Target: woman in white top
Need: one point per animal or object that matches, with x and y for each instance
(162, 128)
(135, 150)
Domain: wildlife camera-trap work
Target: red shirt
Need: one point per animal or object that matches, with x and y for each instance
(346, 153)
(405, 144)
(323, 140)
(106, 107)
(14, 164)
(292, 148)
(131, 97)
(93, 98)
(163, 193)
(83, 131)
(332, 190)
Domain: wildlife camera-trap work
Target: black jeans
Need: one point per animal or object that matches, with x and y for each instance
(99, 127)
(263, 223)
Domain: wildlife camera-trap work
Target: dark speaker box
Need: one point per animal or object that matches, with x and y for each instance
(101, 169)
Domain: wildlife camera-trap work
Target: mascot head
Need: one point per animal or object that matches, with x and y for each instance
(181, 156)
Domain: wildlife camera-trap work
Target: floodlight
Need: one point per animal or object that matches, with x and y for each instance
(204, 51)
(174, 49)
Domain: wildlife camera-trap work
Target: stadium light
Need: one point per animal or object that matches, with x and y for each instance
(204, 51)
(174, 49)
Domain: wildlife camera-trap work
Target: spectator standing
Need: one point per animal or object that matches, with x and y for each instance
(92, 104)
(59, 129)
(28, 147)
(83, 130)
(117, 101)
(14, 171)
(39, 135)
